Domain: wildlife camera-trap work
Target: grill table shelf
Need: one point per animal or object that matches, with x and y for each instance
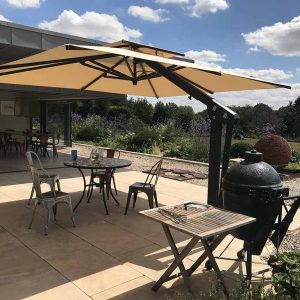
(207, 223)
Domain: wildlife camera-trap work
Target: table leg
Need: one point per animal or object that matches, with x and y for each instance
(84, 189)
(176, 254)
(177, 261)
(103, 196)
(203, 256)
(109, 188)
(214, 264)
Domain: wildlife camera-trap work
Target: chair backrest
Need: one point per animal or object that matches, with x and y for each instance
(111, 153)
(36, 181)
(31, 156)
(43, 138)
(154, 173)
(56, 142)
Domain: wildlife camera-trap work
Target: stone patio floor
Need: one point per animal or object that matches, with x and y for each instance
(104, 257)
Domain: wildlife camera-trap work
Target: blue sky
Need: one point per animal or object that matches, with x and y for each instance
(251, 37)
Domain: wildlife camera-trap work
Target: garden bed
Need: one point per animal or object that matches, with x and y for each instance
(142, 162)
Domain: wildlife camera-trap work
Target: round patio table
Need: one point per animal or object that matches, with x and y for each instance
(107, 164)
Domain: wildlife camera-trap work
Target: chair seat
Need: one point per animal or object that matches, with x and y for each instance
(99, 173)
(142, 185)
(58, 194)
(50, 175)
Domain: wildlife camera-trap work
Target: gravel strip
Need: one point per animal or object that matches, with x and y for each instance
(142, 163)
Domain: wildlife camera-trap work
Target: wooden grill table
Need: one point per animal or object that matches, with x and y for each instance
(202, 226)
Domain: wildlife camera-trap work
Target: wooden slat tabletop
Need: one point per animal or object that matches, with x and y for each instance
(209, 222)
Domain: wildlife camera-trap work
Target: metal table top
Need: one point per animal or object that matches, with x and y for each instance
(208, 222)
(103, 163)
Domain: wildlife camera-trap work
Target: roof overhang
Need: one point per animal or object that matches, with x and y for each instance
(18, 41)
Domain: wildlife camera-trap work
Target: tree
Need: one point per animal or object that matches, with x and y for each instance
(263, 114)
(184, 116)
(101, 107)
(287, 116)
(171, 109)
(143, 110)
(246, 114)
(160, 114)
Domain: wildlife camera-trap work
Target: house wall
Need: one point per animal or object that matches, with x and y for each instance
(14, 122)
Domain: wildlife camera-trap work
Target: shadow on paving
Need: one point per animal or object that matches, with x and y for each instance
(100, 255)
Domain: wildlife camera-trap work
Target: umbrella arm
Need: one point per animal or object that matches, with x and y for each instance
(219, 115)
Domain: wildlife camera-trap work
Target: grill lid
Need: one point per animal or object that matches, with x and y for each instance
(252, 173)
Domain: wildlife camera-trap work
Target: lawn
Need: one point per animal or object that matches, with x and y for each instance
(252, 141)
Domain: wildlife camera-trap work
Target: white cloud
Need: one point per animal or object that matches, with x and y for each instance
(201, 7)
(25, 3)
(254, 49)
(298, 70)
(274, 98)
(212, 59)
(206, 57)
(91, 25)
(148, 14)
(278, 39)
(266, 74)
(172, 1)
(2, 18)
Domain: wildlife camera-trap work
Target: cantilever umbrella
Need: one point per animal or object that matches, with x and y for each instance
(130, 68)
(116, 69)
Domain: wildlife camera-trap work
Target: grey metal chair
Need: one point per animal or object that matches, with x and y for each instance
(102, 175)
(49, 199)
(49, 178)
(147, 187)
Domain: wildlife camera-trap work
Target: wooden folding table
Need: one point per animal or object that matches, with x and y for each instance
(210, 226)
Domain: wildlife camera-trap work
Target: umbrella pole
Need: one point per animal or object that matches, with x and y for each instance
(219, 115)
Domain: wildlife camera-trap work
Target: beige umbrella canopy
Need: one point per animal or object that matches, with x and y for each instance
(121, 67)
(135, 69)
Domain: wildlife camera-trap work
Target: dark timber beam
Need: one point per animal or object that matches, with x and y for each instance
(219, 115)
(67, 125)
(43, 116)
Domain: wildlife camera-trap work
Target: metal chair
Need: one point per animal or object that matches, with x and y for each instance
(11, 142)
(52, 144)
(49, 199)
(147, 187)
(50, 179)
(42, 144)
(103, 174)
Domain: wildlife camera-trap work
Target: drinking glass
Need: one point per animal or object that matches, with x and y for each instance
(94, 154)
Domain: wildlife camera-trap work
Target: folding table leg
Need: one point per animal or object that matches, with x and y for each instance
(214, 264)
(176, 254)
(178, 259)
(203, 256)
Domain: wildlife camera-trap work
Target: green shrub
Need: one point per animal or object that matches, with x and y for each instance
(86, 134)
(295, 155)
(199, 149)
(180, 148)
(143, 139)
(286, 274)
(118, 111)
(238, 149)
(92, 128)
(238, 292)
(156, 150)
